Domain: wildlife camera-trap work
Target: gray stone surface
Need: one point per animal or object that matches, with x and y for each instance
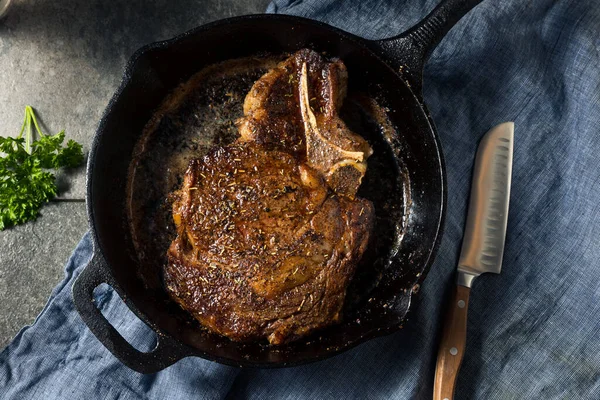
(65, 58)
(32, 261)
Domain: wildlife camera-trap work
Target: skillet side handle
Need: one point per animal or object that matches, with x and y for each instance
(166, 352)
(409, 51)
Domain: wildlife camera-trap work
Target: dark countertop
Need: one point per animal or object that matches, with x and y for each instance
(66, 59)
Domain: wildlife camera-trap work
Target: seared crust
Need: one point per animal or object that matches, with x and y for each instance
(265, 245)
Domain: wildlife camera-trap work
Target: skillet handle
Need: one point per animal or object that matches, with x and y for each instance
(167, 350)
(410, 50)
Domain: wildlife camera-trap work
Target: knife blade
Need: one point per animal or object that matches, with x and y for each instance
(482, 247)
(485, 230)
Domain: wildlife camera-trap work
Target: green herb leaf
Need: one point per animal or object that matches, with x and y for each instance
(25, 182)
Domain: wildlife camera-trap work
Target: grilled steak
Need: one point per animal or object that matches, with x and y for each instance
(269, 229)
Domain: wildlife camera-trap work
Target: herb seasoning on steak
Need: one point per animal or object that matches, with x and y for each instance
(269, 228)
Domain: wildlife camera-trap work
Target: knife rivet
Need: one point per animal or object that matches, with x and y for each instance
(454, 351)
(461, 304)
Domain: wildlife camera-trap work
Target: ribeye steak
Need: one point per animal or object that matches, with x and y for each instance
(269, 229)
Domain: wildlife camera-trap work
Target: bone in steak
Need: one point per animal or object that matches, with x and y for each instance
(269, 229)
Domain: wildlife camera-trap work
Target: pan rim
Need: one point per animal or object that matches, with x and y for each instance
(96, 143)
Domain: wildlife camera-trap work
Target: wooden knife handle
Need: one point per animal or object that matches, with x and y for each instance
(452, 346)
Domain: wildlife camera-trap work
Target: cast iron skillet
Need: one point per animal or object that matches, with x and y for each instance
(392, 68)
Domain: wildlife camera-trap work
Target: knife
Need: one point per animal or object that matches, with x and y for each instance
(482, 247)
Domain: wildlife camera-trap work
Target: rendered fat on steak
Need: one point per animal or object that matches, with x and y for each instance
(269, 229)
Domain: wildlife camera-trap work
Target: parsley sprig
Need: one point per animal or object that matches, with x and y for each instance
(25, 180)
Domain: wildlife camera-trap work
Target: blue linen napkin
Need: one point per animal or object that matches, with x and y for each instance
(533, 331)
